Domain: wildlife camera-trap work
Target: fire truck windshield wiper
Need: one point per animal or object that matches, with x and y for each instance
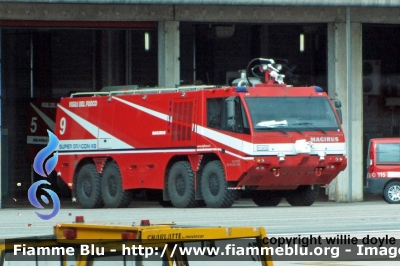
(309, 124)
(276, 128)
(295, 129)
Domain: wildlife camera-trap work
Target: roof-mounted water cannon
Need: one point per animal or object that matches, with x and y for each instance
(272, 73)
(269, 68)
(274, 67)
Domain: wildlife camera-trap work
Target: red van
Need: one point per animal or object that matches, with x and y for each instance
(383, 165)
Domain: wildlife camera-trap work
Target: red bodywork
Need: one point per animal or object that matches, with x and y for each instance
(144, 131)
(388, 165)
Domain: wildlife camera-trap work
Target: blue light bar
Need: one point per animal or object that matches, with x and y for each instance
(241, 89)
(318, 89)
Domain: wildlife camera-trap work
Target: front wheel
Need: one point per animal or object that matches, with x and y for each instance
(303, 196)
(391, 193)
(214, 187)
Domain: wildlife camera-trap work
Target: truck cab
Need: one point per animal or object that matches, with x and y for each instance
(383, 168)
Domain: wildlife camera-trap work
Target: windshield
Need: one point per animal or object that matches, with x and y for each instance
(292, 114)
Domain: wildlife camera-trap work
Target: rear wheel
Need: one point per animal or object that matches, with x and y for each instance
(180, 185)
(391, 193)
(214, 187)
(114, 196)
(265, 198)
(88, 187)
(303, 196)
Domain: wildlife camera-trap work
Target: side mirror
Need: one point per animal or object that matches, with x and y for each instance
(230, 106)
(230, 111)
(338, 105)
(339, 112)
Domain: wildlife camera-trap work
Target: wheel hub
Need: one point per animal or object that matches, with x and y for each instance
(214, 184)
(87, 187)
(394, 193)
(112, 186)
(180, 185)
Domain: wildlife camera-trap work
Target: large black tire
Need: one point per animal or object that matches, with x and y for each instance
(214, 187)
(391, 193)
(114, 196)
(303, 196)
(181, 186)
(88, 187)
(264, 198)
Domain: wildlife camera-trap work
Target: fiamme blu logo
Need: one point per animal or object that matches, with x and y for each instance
(43, 165)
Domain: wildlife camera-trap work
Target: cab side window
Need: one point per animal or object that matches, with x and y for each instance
(227, 114)
(388, 153)
(214, 112)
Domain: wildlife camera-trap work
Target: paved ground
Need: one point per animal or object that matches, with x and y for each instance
(372, 217)
(19, 218)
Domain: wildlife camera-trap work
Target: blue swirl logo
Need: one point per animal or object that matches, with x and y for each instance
(44, 167)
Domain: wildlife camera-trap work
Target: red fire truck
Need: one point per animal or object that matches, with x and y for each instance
(201, 144)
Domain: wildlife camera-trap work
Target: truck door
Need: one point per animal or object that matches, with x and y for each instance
(228, 121)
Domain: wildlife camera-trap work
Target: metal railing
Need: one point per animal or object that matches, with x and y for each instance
(142, 90)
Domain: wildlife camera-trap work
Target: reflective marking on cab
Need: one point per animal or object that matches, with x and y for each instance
(393, 174)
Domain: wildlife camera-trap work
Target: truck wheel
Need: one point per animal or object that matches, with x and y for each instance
(214, 187)
(180, 185)
(391, 193)
(114, 196)
(88, 187)
(265, 198)
(302, 196)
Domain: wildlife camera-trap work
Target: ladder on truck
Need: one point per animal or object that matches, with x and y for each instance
(134, 89)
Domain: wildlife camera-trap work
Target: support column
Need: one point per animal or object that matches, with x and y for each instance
(168, 54)
(356, 123)
(345, 83)
(1, 88)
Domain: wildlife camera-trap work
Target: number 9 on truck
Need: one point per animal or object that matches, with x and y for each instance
(63, 125)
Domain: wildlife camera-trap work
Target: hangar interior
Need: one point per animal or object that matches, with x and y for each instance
(45, 61)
